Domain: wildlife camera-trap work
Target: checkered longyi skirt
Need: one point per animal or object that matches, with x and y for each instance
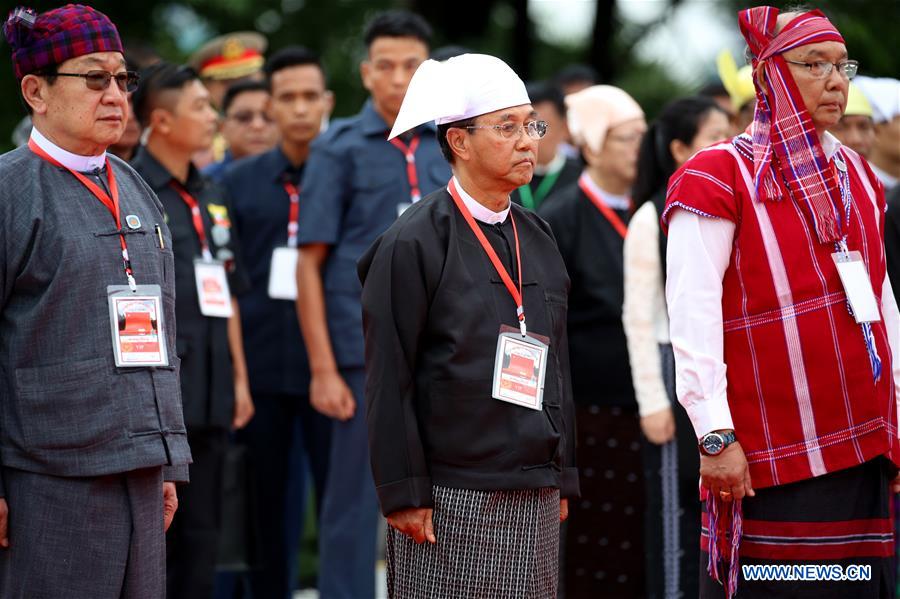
(490, 544)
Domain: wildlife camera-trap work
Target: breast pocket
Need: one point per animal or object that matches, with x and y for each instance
(153, 262)
(68, 406)
(376, 174)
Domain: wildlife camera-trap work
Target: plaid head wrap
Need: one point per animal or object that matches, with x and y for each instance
(53, 37)
(782, 126)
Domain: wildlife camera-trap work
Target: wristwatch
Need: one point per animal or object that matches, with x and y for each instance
(715, 442)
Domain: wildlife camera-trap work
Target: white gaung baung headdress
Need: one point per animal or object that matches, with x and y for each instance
(459, 88)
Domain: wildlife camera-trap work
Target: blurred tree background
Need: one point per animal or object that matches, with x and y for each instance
(507, 28)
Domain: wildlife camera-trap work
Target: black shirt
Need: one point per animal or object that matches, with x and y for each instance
(433, 305)
(592, 250)
(207, 385)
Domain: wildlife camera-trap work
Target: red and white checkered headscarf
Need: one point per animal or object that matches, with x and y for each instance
(782, 126)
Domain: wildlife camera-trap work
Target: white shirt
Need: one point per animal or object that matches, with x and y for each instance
(616, 202)
(75, 162)
(888, 180)
(697, 255)
(644, 310)
(480, 212)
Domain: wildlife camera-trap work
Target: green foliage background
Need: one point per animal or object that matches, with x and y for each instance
(501, 27)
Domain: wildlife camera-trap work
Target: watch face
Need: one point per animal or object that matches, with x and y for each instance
(713, 443)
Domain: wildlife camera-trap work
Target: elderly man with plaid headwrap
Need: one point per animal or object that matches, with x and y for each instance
(91, 431)
(785, 330)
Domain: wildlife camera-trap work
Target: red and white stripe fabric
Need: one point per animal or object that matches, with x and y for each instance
(782, 127)
(794, 541)
(800, 387)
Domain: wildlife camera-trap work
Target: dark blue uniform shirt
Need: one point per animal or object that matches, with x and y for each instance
(216, 170)
(352, 187)
(276, 356)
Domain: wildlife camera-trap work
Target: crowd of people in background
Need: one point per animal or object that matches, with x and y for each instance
(255, 173)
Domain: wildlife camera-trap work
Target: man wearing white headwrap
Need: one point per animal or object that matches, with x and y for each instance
(884, 96)
(470, 414)
(589, 219)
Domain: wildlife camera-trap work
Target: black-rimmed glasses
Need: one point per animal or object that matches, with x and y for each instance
(99, 80)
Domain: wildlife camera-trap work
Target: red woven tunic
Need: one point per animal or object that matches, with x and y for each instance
(800, 385)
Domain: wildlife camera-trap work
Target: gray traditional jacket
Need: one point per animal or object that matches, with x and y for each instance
(65, 408)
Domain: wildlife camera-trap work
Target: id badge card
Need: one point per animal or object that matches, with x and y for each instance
(283, 274)
(136, 321)
(401, 208)
(212, 288)
(520, 367)
(857, 286)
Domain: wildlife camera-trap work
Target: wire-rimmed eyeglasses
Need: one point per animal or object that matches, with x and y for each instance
(534, 129)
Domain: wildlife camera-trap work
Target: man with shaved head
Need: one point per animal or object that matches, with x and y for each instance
(785, 331)
(89, 396)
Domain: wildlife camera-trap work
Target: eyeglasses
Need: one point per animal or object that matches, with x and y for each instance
(630, 139)
(99, 80)
(245, 117)
(821, 69)
(534, 129)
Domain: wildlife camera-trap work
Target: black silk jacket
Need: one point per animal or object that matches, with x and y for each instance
(433, 305)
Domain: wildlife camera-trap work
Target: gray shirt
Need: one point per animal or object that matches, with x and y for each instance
(65, 408)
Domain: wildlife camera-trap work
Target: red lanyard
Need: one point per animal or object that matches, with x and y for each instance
(605, 210)
(294, 214)
(495, 260)
(111, 203)
(410, 153)
(196, 217)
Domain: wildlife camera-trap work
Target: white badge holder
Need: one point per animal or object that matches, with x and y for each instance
(212, 288)
(283, 273)
(857, 285)
(520, 367)
(137, 324)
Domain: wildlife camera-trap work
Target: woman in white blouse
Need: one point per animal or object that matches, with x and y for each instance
(671, 458)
